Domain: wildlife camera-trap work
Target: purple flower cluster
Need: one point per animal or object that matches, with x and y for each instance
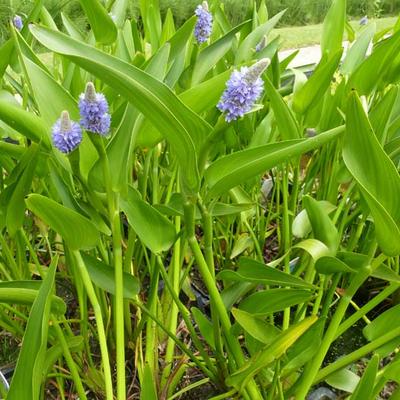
(93, 108)
(17, 21)
(202, 30)
(243, 89)
(66, 134)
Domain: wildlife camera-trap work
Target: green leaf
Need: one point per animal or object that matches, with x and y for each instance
(234, 169)
(371, 71)
(287, 124)
(184, 129)
(26, 123)
(148, 385)
(331, 265)
(313, 90)
(301, 226)
(78, 231)
(27, 377)
(22, 293)
(272, 300)
(323, 228)
(344, 379)
(255, 271)
(367, 382)
(246, 49)
(210, 56)
(270, 354)
(205, 326)
(101, 23)
(380, 185)
(305, 348)
(333, 28)
(255, 326)
(16, 207)
(356, 54)
(103, 276)
(153, 229)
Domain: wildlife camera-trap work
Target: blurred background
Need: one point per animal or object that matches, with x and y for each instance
(299, 12)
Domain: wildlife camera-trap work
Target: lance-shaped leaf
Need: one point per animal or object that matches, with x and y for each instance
(102, 24)
(376, 175)
(333, 28)
(78, 231)
(236, 168)
(270, 354)
(27, 377)
(184, 129)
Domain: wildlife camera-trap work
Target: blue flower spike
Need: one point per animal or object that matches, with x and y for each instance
(93, 108)
(203, 28)
(66, 134)
(17, 21)
(243, 89)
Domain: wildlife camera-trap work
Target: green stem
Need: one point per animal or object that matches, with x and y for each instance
(70, 361)
(99, 321)
(209, 281)
(312, 368)
(349, 322)
(356, 355)
(113, 209)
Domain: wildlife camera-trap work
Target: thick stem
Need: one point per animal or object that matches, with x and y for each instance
(99, 321)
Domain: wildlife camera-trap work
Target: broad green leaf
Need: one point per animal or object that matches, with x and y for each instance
(242, 243)
(367, 382)
(305, 348)
(78, 231)
(210, 56)
(314, 247)
(101, 23)
(380, 114)
(313, 90)
(102, 276)
(344, 379)
(118, 12)
(370, 72)
(255, 326)
(6, 52)
(385, 273)
(205, 326)
(272, 300)
(184, 129)
(301, 226)
(27, 377)
(331, 265)
(21, 293)
(234, 169)
(333, 28)
(270, 354)
(156, 231)
(246, 48)
(26, 123)
(287, 124)
(377, 177)
(356, 54)
(323, 228)
(70, 27)
(255, 271)
(16, 207)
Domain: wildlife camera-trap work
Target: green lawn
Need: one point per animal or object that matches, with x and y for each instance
(302, 36)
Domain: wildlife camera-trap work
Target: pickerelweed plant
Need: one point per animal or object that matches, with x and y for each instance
(189, 217)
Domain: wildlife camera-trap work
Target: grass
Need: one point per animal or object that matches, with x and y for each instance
(302, 36)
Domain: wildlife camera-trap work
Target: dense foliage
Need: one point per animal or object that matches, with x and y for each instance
(183, 214)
